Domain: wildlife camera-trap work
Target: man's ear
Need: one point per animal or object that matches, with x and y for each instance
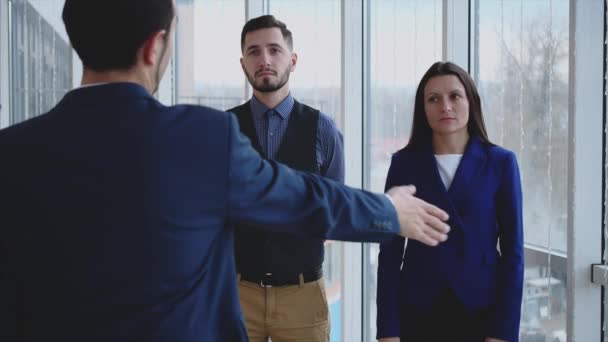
(294, 61)
(153, 47)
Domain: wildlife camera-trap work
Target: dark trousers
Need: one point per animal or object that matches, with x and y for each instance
(447, 321)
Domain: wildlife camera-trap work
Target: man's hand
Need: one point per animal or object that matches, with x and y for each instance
(389, 339)
(491, 339)
(418, 219)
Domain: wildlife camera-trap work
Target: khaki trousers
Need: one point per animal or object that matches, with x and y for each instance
(285, 313)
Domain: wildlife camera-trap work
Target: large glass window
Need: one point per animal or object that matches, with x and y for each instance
(522, 75)
(207, 53)
(316, 29)
(40, 57)
(404, 39)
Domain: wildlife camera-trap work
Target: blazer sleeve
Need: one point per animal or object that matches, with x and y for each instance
(504, 324)
(270, 195)
(389, 268)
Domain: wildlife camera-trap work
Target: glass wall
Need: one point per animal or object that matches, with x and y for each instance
(40, 57)
(522, 75)
(316, 29)
(207, 53)
(404, 39)
(519, 58)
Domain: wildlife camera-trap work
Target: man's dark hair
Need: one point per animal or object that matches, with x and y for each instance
(106, 34)
(264, 22)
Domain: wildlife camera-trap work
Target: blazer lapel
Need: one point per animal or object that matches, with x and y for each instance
(471, 164)
(434, 185)
(455, 199)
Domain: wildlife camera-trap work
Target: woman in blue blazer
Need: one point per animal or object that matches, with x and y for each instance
(470, 287)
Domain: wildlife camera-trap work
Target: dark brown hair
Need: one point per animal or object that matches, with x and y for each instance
(263, 22)
(421, 130)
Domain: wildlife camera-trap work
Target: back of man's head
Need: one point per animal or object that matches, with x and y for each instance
(107, 34)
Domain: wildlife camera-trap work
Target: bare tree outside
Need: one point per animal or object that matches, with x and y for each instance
(523, 81)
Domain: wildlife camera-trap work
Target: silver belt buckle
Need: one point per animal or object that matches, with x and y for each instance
(262, 281)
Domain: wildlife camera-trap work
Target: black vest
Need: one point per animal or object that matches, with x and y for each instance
(258, 251)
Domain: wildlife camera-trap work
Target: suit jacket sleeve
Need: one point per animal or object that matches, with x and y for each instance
(389, 268)
(8, 307)
(505, 322)
(273, 196)
(11, 313)
(8, 288)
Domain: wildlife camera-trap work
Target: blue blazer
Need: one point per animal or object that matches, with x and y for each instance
(114, 216)
(485, 206)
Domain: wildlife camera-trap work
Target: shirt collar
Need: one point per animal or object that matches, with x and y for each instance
(90, 85)
(284, 108)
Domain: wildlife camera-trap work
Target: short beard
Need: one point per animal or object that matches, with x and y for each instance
(266, 86)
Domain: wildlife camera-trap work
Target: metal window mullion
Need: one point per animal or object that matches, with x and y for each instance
(352, 107)
(456, 30)
(253, 9)
(5, 50)
(585, 133)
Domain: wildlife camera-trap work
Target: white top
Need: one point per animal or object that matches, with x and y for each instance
(447, 165)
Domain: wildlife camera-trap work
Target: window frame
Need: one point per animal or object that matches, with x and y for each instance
(586, 133)
(4, 63)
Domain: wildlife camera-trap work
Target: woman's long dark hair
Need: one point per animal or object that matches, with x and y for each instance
(421, 130)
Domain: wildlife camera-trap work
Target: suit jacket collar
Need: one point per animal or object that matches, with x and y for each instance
(110, 91)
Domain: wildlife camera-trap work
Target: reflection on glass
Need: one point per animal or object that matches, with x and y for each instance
(316, 29)
(522, 76)
(40, 57)
(405, 38)
(207, 53)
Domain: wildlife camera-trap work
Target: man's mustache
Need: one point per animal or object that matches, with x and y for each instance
(257, 73)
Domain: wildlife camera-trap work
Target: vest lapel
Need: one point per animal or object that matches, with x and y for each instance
(290, 138)
(245, 117)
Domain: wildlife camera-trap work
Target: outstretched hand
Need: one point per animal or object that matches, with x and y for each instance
(418, 219)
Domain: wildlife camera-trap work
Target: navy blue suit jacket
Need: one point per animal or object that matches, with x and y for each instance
(114, 216)
(485, 205)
